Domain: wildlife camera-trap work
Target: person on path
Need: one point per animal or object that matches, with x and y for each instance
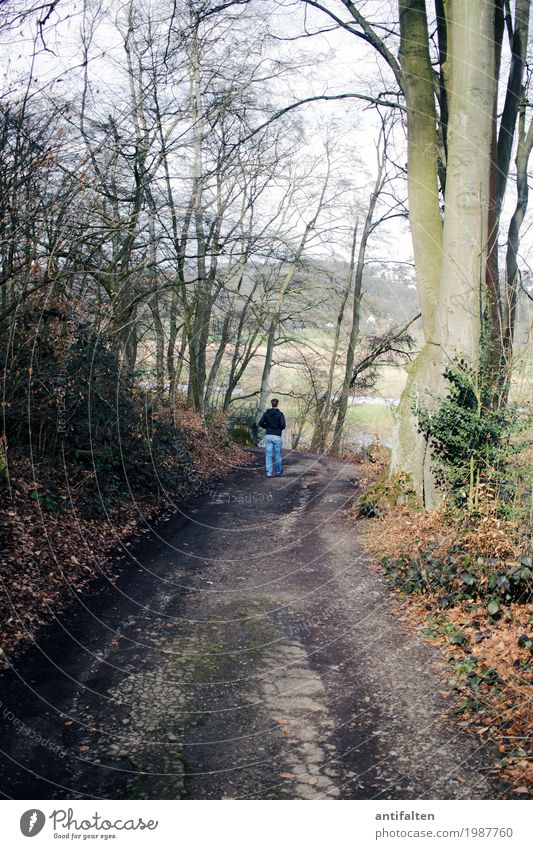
(273, 421)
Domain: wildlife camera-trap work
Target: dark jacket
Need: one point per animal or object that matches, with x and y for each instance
(273, 421)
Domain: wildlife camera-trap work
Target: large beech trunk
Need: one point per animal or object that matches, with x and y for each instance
(450, 258)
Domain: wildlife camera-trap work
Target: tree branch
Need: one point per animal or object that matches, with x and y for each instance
(385, 345)
(377, 101)
(368, 34)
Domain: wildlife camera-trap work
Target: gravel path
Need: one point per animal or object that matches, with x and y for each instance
(247, 651)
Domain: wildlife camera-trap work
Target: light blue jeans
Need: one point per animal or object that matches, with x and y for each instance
(273, 444)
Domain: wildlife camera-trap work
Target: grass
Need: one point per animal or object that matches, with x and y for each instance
(391, 381)
(372, 419)
(289, 378)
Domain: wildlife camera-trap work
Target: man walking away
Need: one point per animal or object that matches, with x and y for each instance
(273, 421)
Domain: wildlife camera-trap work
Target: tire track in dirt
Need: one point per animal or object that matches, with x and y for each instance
(247, 652)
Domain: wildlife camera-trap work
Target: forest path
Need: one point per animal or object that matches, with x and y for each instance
(247, 651)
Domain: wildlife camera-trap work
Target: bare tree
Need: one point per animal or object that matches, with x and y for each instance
(459, 157)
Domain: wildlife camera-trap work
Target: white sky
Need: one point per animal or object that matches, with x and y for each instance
(335, 63)
(339, 63)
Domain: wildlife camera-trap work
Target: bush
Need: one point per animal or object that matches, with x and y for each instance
(388, 489)
(69, 406)
(453, 577)
(242, 425)
(241, 435)
(473, 443)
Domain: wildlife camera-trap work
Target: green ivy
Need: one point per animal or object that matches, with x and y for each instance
(473, 442)
(453, 577)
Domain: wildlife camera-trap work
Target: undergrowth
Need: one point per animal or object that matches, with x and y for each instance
(469, 583)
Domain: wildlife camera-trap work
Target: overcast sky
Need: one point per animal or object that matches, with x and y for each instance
(337, 62)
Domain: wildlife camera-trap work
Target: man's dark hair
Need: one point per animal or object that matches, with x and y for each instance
(274, 402)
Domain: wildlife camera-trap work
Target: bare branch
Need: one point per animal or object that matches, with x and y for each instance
(368, 34)
(376, 101)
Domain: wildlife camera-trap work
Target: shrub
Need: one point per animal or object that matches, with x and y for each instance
(395, 488)
(69, 408)
(453, 577)
(473, 443)
(242, 425)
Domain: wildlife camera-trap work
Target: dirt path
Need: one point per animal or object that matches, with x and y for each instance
(246, 652)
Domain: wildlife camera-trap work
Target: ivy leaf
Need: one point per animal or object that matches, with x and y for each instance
(468, 578)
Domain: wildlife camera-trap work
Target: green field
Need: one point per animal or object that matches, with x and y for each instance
(375, 420)
(300, 367)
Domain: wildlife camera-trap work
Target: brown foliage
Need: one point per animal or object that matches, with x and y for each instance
(51, 550)
(495, 699)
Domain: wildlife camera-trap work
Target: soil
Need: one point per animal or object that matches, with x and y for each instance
(247, 650)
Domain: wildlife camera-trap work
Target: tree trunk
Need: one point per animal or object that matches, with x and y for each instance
(450, 262)
(525, 144)
(159, 343)
(264, 391)
(471, 85)
(224, 339)
(342, 404)
(200, 324)
(326, 414)
(179, 365)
